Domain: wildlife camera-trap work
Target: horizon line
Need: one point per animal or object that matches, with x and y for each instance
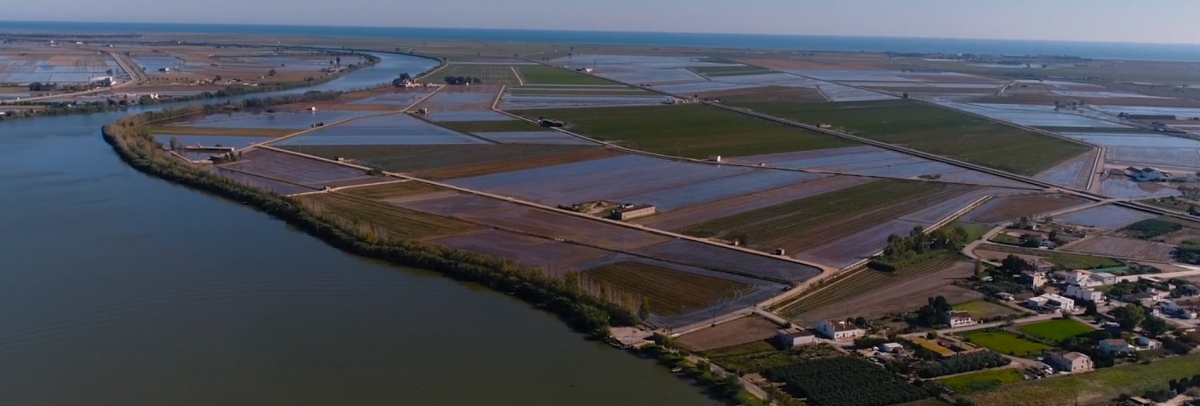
(601, 31)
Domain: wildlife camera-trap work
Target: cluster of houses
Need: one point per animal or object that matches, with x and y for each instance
(833, 330)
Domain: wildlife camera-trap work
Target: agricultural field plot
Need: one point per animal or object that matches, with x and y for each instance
(696, 214)
(473, 127)
(736, 70)
(292, 120)
(982, 309)
(185, 140)
(533, 137)
(549, 75)
(768, 94)
(393, 99)
(1123, 247)
(1125, 188)
(1144, 149)
(997, 253)
(222, 132)
(841, 93)
(939, 211)
(382, 219)
(1032, 115)
(1181, 113)
(696, 88)
(553, 258)
(807, 223)
(1005, 343)
(1106, 217)
(983, 380)
(691, 130)
(772, 79)
(460, 98)
(893, 77)
(1011, 208)
(470, 116)
(259, 182)
(935, 130)
(454, 161)
(392, 129)
(547, 224)
(870, 293)
(569, 90)
(58, 66)
(824, 61)
(524, 101)
(1056, 330)
(844, 251)
(680, 295)
(737, 332)
(295, 169)
(1074, 172)
(393, 190)
(1091, 388)
(668, 185)
(727, 260)
(642, 69)
(488, 74)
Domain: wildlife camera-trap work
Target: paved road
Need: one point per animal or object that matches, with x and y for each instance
(135, 74)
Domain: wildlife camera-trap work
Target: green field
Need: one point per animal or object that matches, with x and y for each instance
(1063, 260)
(974, 231)
(670, 292)
(691, 130)
(863, 282)
(982, 309)
(983, 380)
(1005, 343)
(806, 223)
(549, 75)
(1056, 330)
(934, 130)
(491, 126)
(488, 74)
(379, 220)
(1102, 385)
(717, 71)
(578, 91)
(394, 189)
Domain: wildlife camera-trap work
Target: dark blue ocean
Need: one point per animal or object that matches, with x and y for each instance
(1173, 52)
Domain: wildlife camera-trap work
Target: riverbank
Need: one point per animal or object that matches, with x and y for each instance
(582, 312)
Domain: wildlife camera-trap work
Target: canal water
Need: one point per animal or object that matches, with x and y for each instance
(121, 289)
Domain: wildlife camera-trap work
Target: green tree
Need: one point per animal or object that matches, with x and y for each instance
(1129, 316)
(271, 72)
(1155, 326)
(644, 309)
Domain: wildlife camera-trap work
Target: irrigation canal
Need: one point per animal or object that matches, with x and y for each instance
(121, 289)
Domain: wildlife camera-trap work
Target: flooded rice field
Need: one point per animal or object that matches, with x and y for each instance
(533, 137)
(941, 210)
(873, 161)
(485, 115)
(1107, 217)
(1181, 113)
(771, 79)
(296, 120)
(530, 101)
(856, 247)
(1074, 172)
(23, 70)
(839, 93)
(692, 215)
(1124, 188)
(392, 129)
(235, 141)
(1031, 115)
(270, 185)
(153, 64)
(391, 99)
(702, 87)
(1009, 208)
(293, 168)
(552, 257)
(709, 256)
(1104, 95)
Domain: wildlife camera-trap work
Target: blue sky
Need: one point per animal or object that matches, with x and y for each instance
(1166, 21)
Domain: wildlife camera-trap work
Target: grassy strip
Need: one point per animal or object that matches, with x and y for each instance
(983, 380)
(668, 291)
(1005, 343)
(581, 311)
(549, 75)
(1056, 330)
(935, 130)
(1102, 385)
(692, 130)
(1065, 261)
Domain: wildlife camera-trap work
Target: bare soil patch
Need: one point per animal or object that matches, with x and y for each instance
(740, 331)
(900, 296)
(1012, 208)
(1123, 247)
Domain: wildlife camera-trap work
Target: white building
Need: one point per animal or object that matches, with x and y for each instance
(890, 347)
(1147, 343)
(792, 339)
(1084, 294)
(1051, 301)
(838, 330)
(956, 318)
(1072, 362)
(1088, 279)
(1115, 346)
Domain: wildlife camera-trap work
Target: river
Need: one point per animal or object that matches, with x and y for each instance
(122, 289)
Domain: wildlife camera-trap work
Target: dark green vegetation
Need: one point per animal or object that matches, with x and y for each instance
(378, 220)
(549, 75)
(691, 130)
(960, 363)
(1059, 259)
(1056, 330)
(862, 282)
(1005, 342)
(1188, 251)
(581, 311)
(456, 161)
(394, 189)
(844, 381)
(716, 71)
(934, 130)
(1099, 386)
(1150, 228)
(491, 126)
(578, 91)
(919, 246)
(487, 74)
(983, 380)
(809, 222)
(759, 356)
(668, 291)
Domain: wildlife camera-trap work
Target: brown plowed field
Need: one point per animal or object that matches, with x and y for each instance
(1123, 247)
(551, 257)
(874, 293)
(1012, 208)
(736, 332)
(691, 215)
(393, 189)
(382, 219)
(669, 292)
(293, 168)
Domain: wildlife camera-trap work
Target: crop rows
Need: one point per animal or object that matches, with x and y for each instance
(292, 168)
(1101, 385)
(392, 190)
(549, 75)
(861, 283)
(1124, 247)
(383, 220)
(669, 292)
(844, 381)
(489, 74)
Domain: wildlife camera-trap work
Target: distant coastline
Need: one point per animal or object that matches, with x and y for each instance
(1098, 50)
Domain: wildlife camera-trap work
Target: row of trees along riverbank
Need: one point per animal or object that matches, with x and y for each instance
(581, 311)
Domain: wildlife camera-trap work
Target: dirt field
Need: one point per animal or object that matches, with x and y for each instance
(381, 220)
(683, 218)
(767, 94)
(551, 257)
(824, 61)
(461, 98)
(393, 190)
(1012, 208)
(447, 161)
(885, 294)
(1123, 247)
(670, 292)
(736, 332)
